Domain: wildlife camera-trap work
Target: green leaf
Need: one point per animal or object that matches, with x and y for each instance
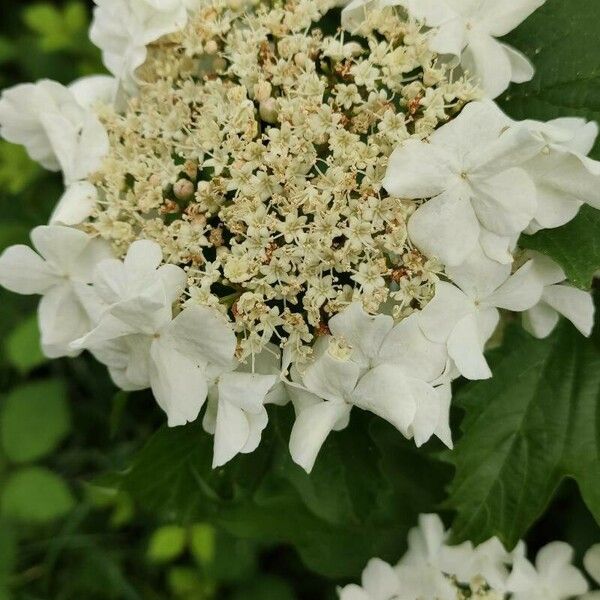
(266, 587)
(526, 429)
(561, 39)
(359, 502)
(35, 419)
(574, 246)
(202, 543)
(166, 543)
(23, 348)
(17, 170)
(57, 30)
(36, 495)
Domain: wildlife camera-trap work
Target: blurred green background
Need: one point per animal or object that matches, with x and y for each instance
(63, 423)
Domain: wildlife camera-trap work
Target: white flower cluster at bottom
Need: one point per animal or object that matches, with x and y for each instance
(432, 569)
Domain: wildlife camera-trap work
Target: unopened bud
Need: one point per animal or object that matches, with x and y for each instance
(183, 189)
(211, 47)
(262, 91)
(268, 110)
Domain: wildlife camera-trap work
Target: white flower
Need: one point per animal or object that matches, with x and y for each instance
(552, 578)
(564, 177)
(379, 582)
(55, 129)
(60, 272)
(468, 30)
(465, 317)
(123, 28)
(236, 413)
(557, 298)
(393, 371)
(421, 570)
(591, 562)
(144, 346)
(470, 170)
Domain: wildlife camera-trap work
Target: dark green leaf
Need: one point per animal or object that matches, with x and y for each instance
(359, 502)
(575, 246)
(35, 419)
(36, 495)
(535, 423)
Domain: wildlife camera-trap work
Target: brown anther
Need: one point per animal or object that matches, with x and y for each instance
(169, 207)
(397, 274)
(414, 105)
(215, 237)
(322, 329)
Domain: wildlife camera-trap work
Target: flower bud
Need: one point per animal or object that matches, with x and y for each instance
(268, 110)
(183, 189)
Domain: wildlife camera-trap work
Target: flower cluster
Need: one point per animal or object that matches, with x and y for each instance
(264, 207)
(432, 569)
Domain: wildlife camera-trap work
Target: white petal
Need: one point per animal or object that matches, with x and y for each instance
(247, 391)
(331, 378)
(75, 205)
(417, 170)
(90, 90)
(522, 69)
(353, 592)
(591, 561)
(496, 247)
(386, 392)
(232, 430)
(442, 430)
(499, 18)
(313, 425)
(433, 12)
(62, 319)
(444, 311)
(553, 563)
(445, 227)
(202, 333)
(143, 256)
(540, 320)
(380, 580)
(60, 246)
(407, 347)
(478, 276)
(521, 291)
(450, 38)
(576, 305)
(364, 332)
(505, 203)
(488, 62)
(23, 271)
(178, 383)
(465, 347)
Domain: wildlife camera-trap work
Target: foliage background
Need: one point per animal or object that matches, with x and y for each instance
(94, 504)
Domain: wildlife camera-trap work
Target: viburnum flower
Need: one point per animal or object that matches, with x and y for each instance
(564, 177)
(468, 30)
(123, 30)
(471, 170)
(379, 582)
(391, 370)
(59, 271)
(56, 130)
(144, 345)
(552, 578)
(558, 298)
(293, 215)
(236, 414)
(464, 316)
(432, 569)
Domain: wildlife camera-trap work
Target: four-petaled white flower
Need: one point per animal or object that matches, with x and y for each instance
(57, 131)
(122, 29)
(564, 177)
(557, 298)
(470, 168)
(236, 413)
(552, 578)
(144, 346)
(393, 371)
(379, 582)
(59, 272)
(468, 29)
(464, 316)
